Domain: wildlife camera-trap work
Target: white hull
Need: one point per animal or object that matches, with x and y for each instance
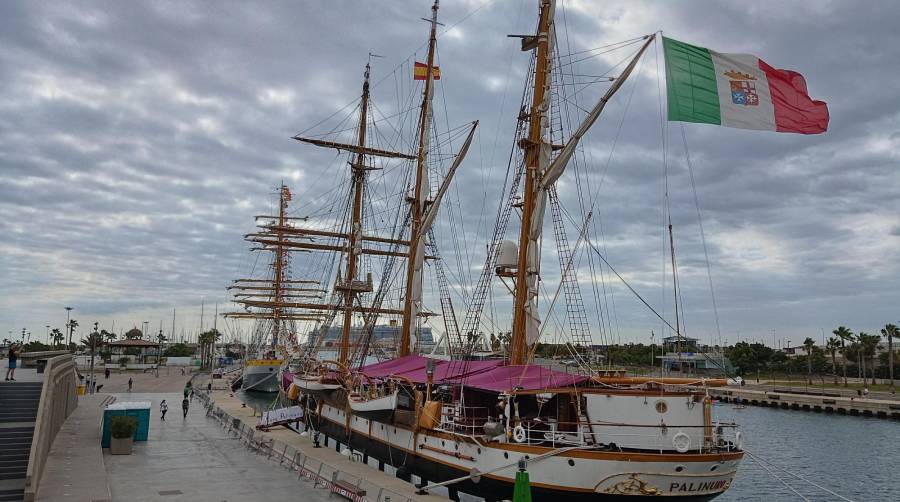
(314, 384)
(578, 472)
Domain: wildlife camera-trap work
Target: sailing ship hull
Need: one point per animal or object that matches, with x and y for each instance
(380, 409)
(261, 375)
(576, 475)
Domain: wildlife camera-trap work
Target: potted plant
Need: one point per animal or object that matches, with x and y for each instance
(122, 430)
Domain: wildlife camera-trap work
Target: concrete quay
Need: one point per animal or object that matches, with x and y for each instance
(853, 406)
(297, 452)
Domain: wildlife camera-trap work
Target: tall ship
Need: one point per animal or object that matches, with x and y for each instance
(485, 408)
(266, 301)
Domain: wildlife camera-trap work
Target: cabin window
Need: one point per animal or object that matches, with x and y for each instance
(661, 406)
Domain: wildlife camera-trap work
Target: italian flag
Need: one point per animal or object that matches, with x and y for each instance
(738, 90)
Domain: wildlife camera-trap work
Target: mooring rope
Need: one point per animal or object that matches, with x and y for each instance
(762, 463)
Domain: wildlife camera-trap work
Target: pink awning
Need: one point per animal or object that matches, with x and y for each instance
(398, 366)
(414, 367)
(531, 377)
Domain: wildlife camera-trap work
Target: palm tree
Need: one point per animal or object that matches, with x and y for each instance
(72, 325)
(207, 341)
(890, 331)
(108, 336)
(845, 335)
(869, 344)
(832, 346)
(57, 336)
(809, 343)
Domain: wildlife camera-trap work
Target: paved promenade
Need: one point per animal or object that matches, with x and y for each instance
(185, 459)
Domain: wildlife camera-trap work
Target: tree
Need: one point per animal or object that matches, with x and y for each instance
(57, 337)
(890, 331)
(108, 336)
(869, 345)
(207, 341)
(178, 350)
(845, 335)
(832, 346)
(72, 325)
(809, 343)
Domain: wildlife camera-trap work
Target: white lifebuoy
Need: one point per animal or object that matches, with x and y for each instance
(739, 440)
(519, 434)
(681, 442)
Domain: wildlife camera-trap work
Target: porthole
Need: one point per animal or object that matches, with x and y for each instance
(679, 468)
(443, 443)
(479, 451)
(714, 467)
(527, 457)
(505, 455)
(661, 406)
(571, 462)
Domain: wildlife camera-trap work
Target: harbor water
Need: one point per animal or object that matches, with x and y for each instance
(856, 457)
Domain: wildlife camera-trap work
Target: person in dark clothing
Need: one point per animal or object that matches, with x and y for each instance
(163, 408)
(185, 404)
(209, 387)
(106, 373)
(130, 384)
(13, 362)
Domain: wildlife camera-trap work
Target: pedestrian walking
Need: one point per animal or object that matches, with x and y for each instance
(192, 394)
(106, 373)
(185, 404)
(13, 356)
(130, 384)
(163, 408)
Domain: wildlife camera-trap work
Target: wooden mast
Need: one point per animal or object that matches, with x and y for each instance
(351, 285)
(532, 147)
(413, 297)
(283, 197)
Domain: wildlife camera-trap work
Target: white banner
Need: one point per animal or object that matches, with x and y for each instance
(290, 414)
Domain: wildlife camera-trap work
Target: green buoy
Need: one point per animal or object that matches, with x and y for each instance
(522, 488)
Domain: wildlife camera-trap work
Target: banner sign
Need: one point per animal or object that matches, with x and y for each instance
(280, 416)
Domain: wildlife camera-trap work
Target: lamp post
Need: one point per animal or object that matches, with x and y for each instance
(48, 334)
(69, 325)
(94, 336)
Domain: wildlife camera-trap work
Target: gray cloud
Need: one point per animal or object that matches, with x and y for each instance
(138, 140)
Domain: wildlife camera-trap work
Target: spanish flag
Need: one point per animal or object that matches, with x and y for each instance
(421, 70)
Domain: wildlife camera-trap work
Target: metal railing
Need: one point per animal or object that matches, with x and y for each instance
(308, 468)
(652, 437)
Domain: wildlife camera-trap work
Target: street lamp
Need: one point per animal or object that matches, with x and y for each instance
(48, 334)
(94, 337)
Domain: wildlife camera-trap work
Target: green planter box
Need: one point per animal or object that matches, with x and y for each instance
(139, 410)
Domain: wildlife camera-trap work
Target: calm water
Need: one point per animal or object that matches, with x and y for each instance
(854, 456)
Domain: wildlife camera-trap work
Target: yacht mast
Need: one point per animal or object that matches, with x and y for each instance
(412, 304)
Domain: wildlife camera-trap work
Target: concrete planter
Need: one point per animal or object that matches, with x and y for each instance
(120, 446)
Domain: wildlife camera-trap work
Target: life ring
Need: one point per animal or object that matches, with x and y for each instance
(519, 434)
(739, 440)
(681, 442)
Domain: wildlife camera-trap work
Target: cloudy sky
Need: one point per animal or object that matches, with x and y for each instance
(138, 139)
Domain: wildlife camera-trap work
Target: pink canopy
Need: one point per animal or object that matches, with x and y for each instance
(489, 375)
(506, 378)
(414, 367)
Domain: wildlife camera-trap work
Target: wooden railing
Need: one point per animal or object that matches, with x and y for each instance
(58, 401)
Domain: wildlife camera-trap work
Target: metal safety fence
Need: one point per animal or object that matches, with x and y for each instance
(308, 468)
